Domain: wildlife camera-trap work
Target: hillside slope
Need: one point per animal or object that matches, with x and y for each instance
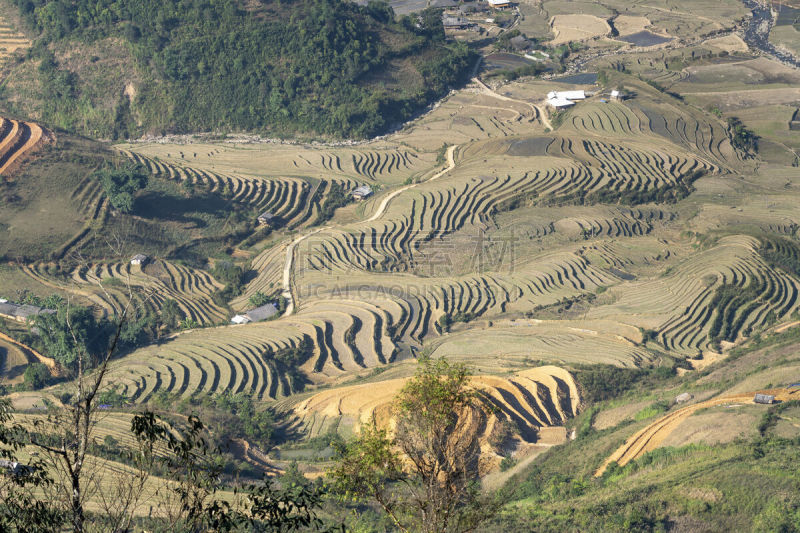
(118, 69)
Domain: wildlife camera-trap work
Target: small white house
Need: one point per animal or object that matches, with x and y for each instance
(559, 102)
(240, 319)
(615, 95)
(139, 259)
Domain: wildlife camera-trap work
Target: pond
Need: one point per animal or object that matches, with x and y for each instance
(645, 38)
(504, 61)
(584, 78)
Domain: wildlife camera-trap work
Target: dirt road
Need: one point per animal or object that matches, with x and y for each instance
(290, 255)
(537, 110)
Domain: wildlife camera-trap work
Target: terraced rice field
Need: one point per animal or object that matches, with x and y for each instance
(11, 41)
(529, 400)
(106, 285)
(18, 139)
(13, 361)
(295, 201)
(683, 300)
(596, 275)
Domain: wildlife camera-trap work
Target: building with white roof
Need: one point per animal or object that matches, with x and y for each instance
(499, 4)
(562, 99)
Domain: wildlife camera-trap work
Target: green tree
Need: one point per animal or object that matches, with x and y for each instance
(437, 439)
(36, 376)
(258, 299)
(69, 332)
(121, 184)
(171, 314)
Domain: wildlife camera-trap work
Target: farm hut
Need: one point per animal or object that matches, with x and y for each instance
(615, 95)
(22, 312)
(267, 218)
(14, 468)
(256, 315)
(764, 398)
(499, 4)
(262, 313)
(361, 192)
(683, 398)
(139, 259)
(455, 23)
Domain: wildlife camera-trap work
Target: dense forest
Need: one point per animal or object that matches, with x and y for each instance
(328, 67)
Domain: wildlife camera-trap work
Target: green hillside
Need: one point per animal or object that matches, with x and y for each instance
(122, 68)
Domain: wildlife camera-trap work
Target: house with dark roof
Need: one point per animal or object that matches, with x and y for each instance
(256, 315)
(361, 192)
(22, 312)
(268, 219)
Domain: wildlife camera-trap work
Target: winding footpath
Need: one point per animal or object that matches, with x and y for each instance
(290, 255)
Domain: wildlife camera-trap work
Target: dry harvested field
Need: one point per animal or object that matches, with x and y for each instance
(568, 28)
(11, 41)
(533, 401)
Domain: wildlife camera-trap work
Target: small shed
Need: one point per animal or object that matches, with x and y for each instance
(615, 95)
(362, 192)
(267, 218)
(15, 468)
(262, 313)
(764, 398)
(139, 259)
(240, 319)
(683, 398)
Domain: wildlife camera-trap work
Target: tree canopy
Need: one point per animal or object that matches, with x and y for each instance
(321, 66)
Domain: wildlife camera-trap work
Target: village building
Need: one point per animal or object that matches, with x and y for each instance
(764, 398)
(267, 219)
(22, 312)
(499, 4)
(563, 99)
(451, 22)
(256, 315)
(362, 192)
(139, 259)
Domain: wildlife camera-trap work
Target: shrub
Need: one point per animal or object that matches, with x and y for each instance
(36, 376)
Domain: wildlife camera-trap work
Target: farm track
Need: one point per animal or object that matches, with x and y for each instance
(650, 437)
